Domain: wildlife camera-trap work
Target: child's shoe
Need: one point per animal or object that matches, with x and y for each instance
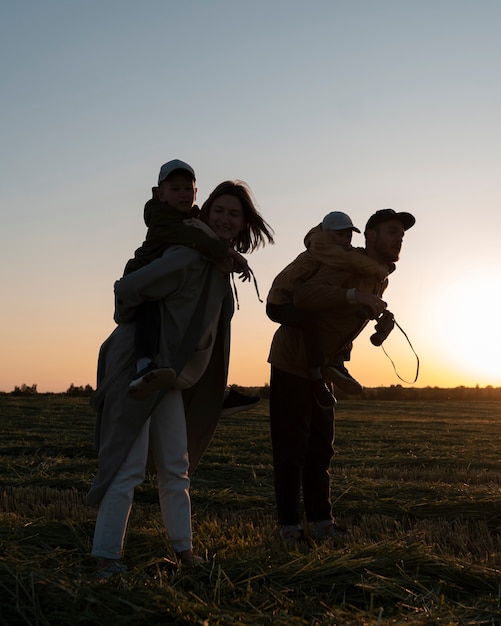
(150, 379)
(234, 401)
(341, 377)
(322, 395)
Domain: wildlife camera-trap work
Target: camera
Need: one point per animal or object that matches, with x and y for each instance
(384, 325)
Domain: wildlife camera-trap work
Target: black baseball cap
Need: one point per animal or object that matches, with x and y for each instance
(383, 215)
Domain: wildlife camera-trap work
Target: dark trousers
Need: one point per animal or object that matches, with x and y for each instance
(302, 436)
(147, 330)
(290, 315)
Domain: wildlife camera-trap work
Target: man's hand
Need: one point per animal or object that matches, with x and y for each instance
(375, 304)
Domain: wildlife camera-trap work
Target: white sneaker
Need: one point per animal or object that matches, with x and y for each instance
(151, 379)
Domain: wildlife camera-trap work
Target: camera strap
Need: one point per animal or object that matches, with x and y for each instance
(393, 364)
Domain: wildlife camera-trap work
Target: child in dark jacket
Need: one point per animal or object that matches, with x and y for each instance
(165, 215)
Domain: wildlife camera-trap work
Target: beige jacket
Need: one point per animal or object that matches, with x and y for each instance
(321, 251)
(191, 291)
(325, 292)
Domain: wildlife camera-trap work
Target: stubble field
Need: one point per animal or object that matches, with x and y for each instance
(416, 486)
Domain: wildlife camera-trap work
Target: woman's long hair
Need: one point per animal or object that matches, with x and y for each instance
(256, 231)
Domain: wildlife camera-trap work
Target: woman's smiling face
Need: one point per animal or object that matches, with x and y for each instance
(226, 217)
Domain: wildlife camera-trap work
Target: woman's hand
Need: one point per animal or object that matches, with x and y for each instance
(241, 266)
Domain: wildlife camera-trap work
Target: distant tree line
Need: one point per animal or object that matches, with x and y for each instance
(79, 391)
(394, 392)
(73, 390)
(432, 394)
(397, 392)
(25, 390)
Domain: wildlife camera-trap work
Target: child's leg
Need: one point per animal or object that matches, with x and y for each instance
(337, 373)
(147, 330)
(150, 377)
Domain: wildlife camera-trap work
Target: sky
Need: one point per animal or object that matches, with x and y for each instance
(324, 105)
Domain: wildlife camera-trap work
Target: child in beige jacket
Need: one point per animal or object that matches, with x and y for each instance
(327, 244)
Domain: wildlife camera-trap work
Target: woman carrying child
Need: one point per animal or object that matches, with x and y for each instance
(173, 430)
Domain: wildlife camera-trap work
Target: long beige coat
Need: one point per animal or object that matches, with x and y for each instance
(194, 295)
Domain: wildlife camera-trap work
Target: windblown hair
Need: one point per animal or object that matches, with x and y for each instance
(256, 230)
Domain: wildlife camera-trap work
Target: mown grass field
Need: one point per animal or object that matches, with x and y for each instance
(417, 486)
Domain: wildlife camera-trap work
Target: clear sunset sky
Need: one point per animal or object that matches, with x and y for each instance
(320, 105)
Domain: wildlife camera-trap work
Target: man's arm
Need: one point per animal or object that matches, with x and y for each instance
(327, 290)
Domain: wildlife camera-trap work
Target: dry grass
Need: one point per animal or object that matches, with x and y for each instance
(416, 487)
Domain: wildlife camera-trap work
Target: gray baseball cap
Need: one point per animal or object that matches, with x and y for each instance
(338, 221)
(172, 166)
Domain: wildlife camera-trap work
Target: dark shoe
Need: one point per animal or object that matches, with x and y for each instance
(327, 530)
(106, 568)
(294, 536)
(341, 377)
(186, 558)
(151, 379)
(323, 396)
(235, 401)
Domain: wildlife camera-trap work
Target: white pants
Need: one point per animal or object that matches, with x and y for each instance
(165, 434)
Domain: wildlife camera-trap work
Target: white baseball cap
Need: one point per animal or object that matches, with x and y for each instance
(338, 221)
(172, 166)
